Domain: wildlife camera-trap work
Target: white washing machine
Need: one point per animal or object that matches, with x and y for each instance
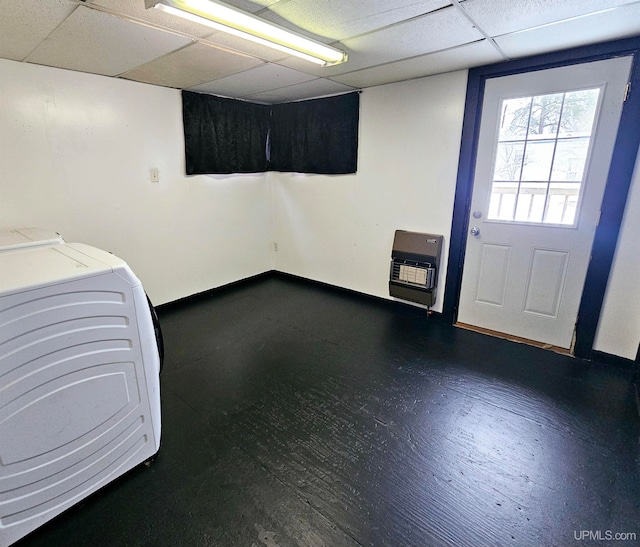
(79, 380)
(18, 238)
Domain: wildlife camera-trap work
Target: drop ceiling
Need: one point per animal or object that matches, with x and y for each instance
(387, 40)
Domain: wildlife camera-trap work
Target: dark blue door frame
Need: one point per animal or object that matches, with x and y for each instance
(616, 191)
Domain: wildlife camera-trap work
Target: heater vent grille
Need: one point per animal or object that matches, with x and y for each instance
(416, 274)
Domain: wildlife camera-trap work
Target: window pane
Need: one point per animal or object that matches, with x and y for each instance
(509, 158)
(570, 159)
(542, 138)
(545, 115)
(503, 200)
(515, 118)
(531, 199)
(562, 203)
(578, 113)
(537, 160)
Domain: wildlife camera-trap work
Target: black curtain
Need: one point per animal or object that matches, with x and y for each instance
(316, 136)
(224, 135)
(231, 136)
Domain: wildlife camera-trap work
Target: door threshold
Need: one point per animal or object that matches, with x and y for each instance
(513, 338)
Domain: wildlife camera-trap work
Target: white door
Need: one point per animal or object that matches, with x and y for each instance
(545, 144)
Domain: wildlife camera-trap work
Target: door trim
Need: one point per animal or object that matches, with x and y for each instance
(616, 190)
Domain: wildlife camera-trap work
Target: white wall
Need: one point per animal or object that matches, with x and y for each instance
(619, 327)
(339, 229)
(75, 154)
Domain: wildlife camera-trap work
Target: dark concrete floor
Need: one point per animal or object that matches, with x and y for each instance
(298, 415)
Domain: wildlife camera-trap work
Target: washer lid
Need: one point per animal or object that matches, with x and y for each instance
(27, 268)
(14, 238)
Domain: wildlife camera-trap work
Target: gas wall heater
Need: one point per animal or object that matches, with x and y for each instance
(415, 259)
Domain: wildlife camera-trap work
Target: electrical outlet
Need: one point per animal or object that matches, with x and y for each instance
(275, 245)
(154, 174)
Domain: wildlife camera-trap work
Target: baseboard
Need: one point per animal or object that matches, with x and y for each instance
(614, 360)
(398, 304)
(192, 298)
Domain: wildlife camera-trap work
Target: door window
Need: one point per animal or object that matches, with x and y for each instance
(540, 157)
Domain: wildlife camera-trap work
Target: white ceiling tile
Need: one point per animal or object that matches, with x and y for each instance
(306, 90)
(504, 16)
(467, 56)
(338, 20)
(92, 41)
(24, 24)
(620, 22)
(256, 80)
(437, 31)
(191, 66)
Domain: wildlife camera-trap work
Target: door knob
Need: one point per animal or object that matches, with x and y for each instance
(475, 231)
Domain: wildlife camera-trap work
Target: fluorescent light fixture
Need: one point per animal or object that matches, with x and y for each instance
(228, 19)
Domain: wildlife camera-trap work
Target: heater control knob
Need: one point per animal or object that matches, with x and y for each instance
(475, 231)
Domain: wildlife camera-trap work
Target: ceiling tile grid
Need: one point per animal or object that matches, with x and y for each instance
(497, 17)
(610, 24)
(432, 32)
(465, 56)
(339, 20)
(387, 40)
